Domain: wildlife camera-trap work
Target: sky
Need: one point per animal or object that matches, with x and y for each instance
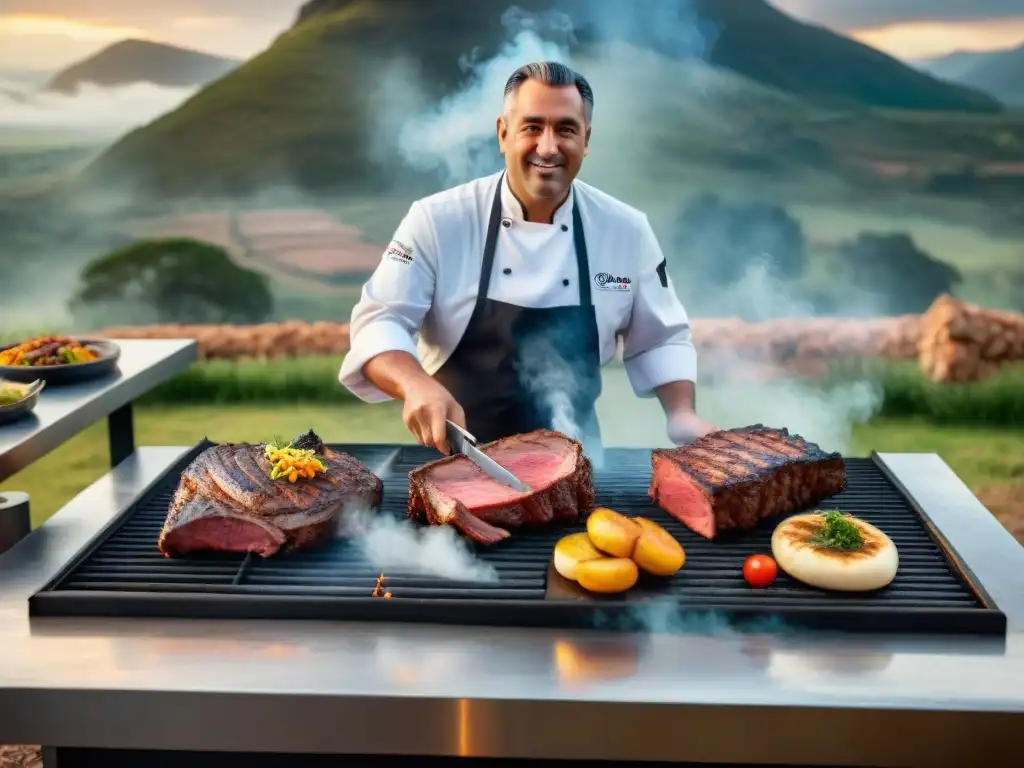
(918, 29)
(46, 35)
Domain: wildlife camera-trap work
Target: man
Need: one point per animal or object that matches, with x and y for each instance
(519, 286)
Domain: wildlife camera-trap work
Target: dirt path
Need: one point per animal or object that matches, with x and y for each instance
(1006, 502)
(21, 757)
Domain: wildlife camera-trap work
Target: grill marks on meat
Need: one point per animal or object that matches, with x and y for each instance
(454, 491)
(227, 502)
(735, 478)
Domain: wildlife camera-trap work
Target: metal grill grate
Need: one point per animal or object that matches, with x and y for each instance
(123, 574)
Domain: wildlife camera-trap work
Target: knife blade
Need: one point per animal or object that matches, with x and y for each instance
(460, 441)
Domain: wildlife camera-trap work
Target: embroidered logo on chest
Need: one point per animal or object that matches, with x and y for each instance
(607, 282)
(399, 252)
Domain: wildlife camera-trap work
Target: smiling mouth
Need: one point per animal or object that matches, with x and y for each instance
(544, 166)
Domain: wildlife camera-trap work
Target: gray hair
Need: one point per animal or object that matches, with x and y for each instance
(552, 73)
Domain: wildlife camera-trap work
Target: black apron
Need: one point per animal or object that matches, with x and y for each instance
(517, 369)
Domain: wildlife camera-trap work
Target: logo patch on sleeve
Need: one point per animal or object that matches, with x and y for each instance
(399, 252)
(663, 273)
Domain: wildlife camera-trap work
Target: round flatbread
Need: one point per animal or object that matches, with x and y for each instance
(870, 566)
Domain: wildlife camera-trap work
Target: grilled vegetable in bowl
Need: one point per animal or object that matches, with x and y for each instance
(49, 350)
(12, 392)
(17, 399)
(58, 359)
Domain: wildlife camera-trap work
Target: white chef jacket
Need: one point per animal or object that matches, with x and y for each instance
(428, 279)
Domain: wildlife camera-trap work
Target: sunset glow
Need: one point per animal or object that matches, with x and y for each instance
(50, 40)
(76, 29)
(205, 22)
(924, 39)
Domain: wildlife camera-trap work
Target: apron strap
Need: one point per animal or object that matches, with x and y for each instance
(491, 243)
(582, 261)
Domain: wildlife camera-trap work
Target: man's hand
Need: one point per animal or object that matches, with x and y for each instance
(427, 406)
(427, 403)
(685, 426)
(678, 399)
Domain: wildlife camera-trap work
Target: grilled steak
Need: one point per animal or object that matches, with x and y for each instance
(736, 477)
(454, 491)
(227, 502)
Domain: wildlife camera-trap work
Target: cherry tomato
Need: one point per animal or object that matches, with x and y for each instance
(760, 570)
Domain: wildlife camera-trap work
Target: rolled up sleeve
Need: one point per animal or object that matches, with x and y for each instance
(657, 345)
(393, 303)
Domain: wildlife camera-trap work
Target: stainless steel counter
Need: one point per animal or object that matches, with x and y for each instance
(420, 689)
(64, 411)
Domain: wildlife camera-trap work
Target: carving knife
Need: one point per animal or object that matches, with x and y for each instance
(460, 441)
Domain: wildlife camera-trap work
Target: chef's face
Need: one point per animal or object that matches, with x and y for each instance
(544, 137)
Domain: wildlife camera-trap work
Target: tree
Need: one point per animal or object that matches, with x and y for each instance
(178, 280)
(899, 276)
(718, 241)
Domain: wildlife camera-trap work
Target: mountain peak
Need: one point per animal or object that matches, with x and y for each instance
(320, 7)
(999, 72)
(135, 60)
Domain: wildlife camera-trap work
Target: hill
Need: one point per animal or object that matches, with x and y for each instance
(1000, 73)
(755, 39)
(142, 61)
(306, 111)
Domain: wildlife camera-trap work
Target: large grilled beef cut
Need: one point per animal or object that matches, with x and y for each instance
(227, 502)
(454, 491)
(735, 478)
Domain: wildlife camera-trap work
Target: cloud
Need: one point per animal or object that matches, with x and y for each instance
(32, 25)
(206, 22)
(925, 39)
(94, 111)
(841, 14)
(50, 34)
(859, 14)
(43, 42)
(146, 14)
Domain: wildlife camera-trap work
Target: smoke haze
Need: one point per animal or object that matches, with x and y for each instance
(392, 545)
(457, 135)
(449, 136)
(95, 111)
(633, 88)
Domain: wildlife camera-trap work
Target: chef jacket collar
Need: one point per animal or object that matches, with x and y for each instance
(513, 209)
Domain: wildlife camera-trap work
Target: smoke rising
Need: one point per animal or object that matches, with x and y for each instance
(449, 137)
(392, 545)
(553, 385)
(647, 65)
(456, 136)
(735, 390)
(664, 616)
(96, 111)
(544, 375)
(761, 392)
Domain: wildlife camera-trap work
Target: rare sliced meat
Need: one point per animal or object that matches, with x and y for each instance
(227, 502)
(735, 478)
(454, 491)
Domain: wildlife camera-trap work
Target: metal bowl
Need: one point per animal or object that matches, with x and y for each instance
(14, 411)
(66, 373)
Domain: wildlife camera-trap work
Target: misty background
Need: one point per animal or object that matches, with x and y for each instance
(788, 169)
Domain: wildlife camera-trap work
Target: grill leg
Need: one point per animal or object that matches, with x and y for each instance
(121, 434)
(15, 519)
